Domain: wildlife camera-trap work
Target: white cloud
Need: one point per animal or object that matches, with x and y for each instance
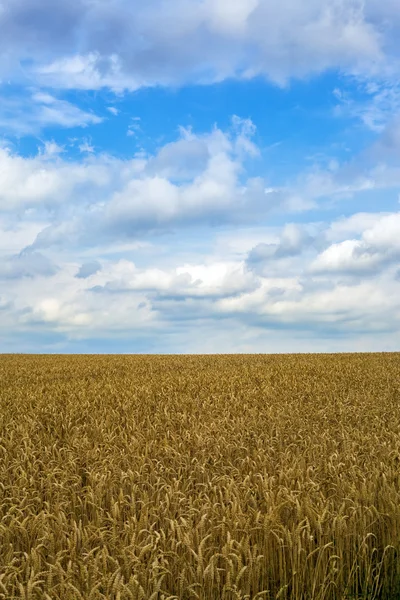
(209, 168)
(26, 115)
(372, 100)
(350, 256)
(212, 280)
(231, 19)
(199, 179)
(46, 180)
(86, 147)
(52, 149)
(356, 224)
(228, 267)
(134, 128)
(114, 111)
(378, 246)
(294, 239)
(216, 300)
(77, 267)
(122, 298)
(90, 45)
(91, 71)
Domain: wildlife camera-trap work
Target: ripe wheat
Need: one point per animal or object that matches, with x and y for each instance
(209, 477)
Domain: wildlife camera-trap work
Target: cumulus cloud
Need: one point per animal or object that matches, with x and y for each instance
(355, 224)
(292, 241)
(190, 281)
(121, 45)
(327, 278)
(235, 261)
(214, 301)
(121, 297)
(197, 180)
(46, 180)
(378, 247)
(218, 295)
(350, 256)
(183, 159)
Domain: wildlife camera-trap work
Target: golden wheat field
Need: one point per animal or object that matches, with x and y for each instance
(209, 477)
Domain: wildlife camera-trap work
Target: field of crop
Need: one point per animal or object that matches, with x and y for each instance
(210, 477)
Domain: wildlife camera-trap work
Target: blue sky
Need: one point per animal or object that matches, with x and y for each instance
(199, 176)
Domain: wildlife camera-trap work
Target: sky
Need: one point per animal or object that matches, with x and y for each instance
(199, 176)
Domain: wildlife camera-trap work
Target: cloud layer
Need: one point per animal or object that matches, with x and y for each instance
(127, 45)
(277, 231)
(91, 258)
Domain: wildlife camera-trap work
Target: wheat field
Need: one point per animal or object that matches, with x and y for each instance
(210, 477)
